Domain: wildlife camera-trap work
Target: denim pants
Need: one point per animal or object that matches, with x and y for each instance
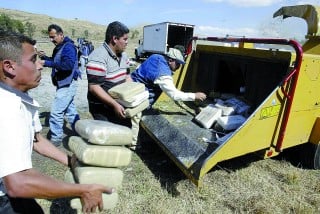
(63, 106)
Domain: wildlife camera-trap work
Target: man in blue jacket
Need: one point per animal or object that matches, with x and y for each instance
(156, 74)
(64, 76)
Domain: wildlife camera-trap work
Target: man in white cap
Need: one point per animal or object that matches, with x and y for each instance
(156, 74)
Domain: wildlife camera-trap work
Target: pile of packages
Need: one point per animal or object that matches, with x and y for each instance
(223, 116)
(100, 150)
(132, 96)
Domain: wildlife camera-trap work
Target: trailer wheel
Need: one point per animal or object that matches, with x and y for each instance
(310, 155)
(317, 157)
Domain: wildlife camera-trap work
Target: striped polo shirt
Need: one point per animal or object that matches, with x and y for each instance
(106, 69)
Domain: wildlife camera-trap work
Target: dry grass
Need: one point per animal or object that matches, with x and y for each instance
(153, 184)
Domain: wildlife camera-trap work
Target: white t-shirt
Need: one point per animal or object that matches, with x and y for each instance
(19, 120)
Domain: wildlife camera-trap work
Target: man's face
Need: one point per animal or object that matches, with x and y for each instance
(173, 64)
(56, 38)
(28, 71)
(121, 43)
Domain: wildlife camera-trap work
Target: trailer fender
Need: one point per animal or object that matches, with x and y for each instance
(315, 132)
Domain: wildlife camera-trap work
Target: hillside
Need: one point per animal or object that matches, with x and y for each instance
(73, 28)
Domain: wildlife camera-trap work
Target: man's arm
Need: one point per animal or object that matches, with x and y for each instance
(167, 86)
(44, 147)
(32, 184)
(98, 91)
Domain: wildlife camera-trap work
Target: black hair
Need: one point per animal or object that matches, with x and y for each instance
(11, 45)
(55, 27)
(116, 29)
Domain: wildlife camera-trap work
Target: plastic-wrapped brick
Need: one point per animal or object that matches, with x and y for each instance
(130, 112)
(109, 200)
(96, 155)
(111, 177)
(103, 132)
(135, 100)
(231, 122)
(126, 90)
(208, 115)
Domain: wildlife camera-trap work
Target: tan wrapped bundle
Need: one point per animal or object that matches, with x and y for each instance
(103, 132)
(135, 100)
(126, 90)
(95, 155)
(109, 200)
(111, 177)
(130, 112)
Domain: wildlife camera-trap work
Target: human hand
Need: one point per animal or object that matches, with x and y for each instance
(119, 111)
(92, 198)
(200, 96)
(41, 53)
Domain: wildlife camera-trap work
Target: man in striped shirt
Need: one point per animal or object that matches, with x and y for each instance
(108, 66)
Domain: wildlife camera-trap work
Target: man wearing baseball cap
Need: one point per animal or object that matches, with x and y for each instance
(156, 74)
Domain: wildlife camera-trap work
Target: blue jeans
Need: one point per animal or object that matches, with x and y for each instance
(63, 106)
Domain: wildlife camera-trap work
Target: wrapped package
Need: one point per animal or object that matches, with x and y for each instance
(96, 155)
(226, 110)
(130, 112)
(127, 90)
(109, 200)
(239, 106)
(135, 100)
(208, 115)
(111, 177)
(103, 132)
(231, 122)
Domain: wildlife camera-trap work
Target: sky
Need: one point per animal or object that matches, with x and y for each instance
(249, 18)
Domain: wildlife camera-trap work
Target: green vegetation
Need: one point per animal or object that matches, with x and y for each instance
(6, 23)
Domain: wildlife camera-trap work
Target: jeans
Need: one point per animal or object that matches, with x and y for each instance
(63, 106)
(83, 62)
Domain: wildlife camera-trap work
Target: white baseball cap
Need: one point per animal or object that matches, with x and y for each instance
(175, 54)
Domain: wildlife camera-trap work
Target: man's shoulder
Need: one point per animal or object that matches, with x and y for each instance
(157, 57)
(12, 102)
(99, 54)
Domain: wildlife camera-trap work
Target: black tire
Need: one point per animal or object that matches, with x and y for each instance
(309, 155)
(317, 157)
(306, 155)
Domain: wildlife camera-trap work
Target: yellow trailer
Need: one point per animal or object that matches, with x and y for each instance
(281, 79)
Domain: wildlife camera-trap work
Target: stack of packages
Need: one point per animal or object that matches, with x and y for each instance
(224, 116)
(100, 150)
(132, 96)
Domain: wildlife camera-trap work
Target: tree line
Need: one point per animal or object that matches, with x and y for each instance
(7, 23)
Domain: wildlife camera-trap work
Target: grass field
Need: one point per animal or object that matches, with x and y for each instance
(153, 183)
